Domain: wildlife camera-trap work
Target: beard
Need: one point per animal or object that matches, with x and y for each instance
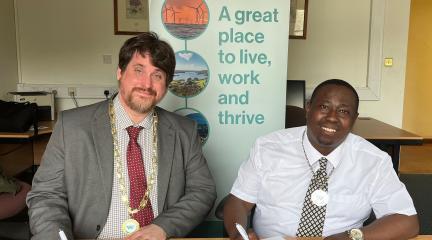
(139, 104)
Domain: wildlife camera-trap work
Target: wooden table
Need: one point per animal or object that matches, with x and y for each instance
(20, 151)
(420, 237)
(44, 127)
(386, 137)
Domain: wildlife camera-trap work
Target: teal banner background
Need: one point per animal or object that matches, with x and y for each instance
(231, 73)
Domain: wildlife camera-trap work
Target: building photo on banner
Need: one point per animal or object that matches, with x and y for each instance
(230, 75)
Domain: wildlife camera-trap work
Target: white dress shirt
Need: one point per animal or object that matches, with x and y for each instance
(277, 175)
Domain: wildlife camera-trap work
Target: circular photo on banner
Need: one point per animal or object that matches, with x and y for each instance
(191, 75)
(203, 125)
(185, 19)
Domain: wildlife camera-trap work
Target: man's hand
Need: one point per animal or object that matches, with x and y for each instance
(149, 232)
(251, 234)
(394, 226)
(237, 211)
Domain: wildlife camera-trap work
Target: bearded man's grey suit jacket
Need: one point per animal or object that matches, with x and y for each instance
(72, 187)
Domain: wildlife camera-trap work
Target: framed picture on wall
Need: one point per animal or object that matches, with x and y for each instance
(298, 19)
(131, 17)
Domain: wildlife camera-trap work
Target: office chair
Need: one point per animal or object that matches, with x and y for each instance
(220, 207)
(419, 186)
(294, 116)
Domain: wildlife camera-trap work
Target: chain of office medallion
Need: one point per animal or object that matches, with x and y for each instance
(119, 165)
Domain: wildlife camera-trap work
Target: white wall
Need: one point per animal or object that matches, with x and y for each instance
(390, 107)
(8, 58)
(336, 44)
(63, 42)
(337, 47)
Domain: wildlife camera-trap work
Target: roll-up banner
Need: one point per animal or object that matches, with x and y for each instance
(230, 75)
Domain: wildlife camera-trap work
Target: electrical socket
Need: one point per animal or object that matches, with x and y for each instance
(71, 91)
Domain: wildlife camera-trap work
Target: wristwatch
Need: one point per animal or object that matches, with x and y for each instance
(355, 234)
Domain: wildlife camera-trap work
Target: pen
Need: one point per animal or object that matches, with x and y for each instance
(242, 231)
(62, 235)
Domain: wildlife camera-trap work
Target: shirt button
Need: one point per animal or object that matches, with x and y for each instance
(97, 227)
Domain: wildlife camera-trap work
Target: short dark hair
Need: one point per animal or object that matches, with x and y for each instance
(337, 82)
(161, 53)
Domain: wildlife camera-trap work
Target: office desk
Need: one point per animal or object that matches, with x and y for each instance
(20, 151)
(420, 237)
(386, 137)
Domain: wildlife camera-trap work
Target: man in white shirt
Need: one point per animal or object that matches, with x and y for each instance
(356, 178)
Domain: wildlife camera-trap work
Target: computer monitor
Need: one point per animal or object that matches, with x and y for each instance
(296, 93)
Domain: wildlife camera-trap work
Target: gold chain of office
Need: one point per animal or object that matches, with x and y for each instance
(118, 165)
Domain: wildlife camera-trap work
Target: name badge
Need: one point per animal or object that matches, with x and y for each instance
(320, 198)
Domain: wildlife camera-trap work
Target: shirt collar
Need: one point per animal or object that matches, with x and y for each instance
(123, 118)
(313, 155)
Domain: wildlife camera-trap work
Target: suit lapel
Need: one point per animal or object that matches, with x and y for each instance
(103, 140)
(166, 155)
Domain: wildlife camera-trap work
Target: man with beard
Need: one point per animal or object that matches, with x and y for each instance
(124, 167)
(320, 179)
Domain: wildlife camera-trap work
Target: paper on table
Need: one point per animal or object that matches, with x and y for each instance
(276, 238)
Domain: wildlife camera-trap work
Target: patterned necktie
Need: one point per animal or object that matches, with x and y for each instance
(137, 178)
(312, 217)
